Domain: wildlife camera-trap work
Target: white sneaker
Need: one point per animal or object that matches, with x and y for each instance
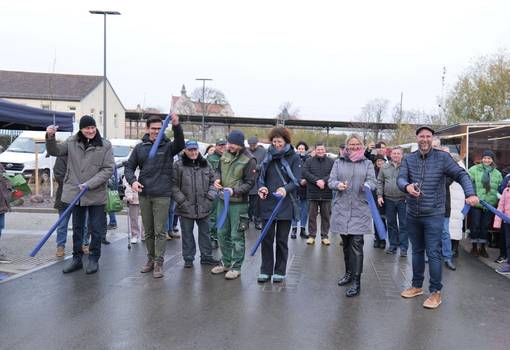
(232, 275)
(219, 269)
(134, 240)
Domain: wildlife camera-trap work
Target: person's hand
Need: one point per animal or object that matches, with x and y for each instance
(217, 184)
(228, 189)
(380, 201)
(51, 130)
(175, 119)
(371, 146)
(320, 184)
(303, 182)
(281, 191)
(472, 200)
(137, 187)
(263, 191)
(342, 186)
(412, 190)
(82, 186)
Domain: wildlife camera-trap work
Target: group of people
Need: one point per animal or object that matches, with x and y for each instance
(231, 185)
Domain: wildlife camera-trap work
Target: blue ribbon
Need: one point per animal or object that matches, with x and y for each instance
(465, 210)
(161, 133)
(223, 215)
(379, 225)
(55, 225)
(490, 208)
(276, 209)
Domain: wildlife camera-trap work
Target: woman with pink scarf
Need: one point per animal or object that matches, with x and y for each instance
(351, 216)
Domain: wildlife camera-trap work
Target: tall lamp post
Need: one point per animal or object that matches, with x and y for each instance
(203, 105)
(104, 13)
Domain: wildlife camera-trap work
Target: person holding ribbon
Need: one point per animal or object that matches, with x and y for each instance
(234, 178)
(154, 186)
(351, 213)
(90, 164)
(279, 174)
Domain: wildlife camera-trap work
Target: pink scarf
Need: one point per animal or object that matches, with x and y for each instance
(355, 156)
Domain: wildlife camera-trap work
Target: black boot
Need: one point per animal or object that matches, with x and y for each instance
(483, 253)
(455, 248)
(293, 235)
(474, 249)
(74, 265)
(346, 279)
(355, 288)
(92, 267)
(303, 233)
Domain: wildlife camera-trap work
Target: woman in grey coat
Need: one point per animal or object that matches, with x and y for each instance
(351, 216)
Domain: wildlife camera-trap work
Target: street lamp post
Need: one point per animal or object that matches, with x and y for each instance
(104, 13)
(203, 105)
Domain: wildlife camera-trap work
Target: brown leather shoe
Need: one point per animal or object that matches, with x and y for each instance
(158, 269)
(433, 301)
(148, 267)
(60, 252)
(411, 292)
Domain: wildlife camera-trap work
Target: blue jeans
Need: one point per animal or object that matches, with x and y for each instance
(303, 214)
(2, 222)
(189, 248)
(170, 221)
(480, 222)
(86, 229)
(446, 243)
(397, 233)
(62, 228)
(425, 236)
(97, 220)
(113, 219)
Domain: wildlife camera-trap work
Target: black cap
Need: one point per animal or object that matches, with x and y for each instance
(86, 121)
(420, 128)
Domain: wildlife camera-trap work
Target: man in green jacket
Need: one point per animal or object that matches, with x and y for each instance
(235, 174)
(214, 160)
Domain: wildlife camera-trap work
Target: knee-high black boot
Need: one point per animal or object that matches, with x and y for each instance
(356, 260)
(347, 277)
(355, 288)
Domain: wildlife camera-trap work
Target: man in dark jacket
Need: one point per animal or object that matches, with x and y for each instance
(316, 173)
(154, 186)
(235, 174)
(423, 176)
(258, 152)
(193, 191)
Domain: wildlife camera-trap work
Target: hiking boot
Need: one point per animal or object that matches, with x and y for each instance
(346, 279)
(105, 241)
(483, 253)
(85, 249)
(433, 301)
(504, 270)
(263, 278)
(278, 278)
(310, 240)
(232, 274)
(158, 269)
(325, 241)
(148, 267)
(168, 237)
(219, 269)
(411, 292)
(303, 234)
(474, 249)
(92, 267)
(60, 252)
(74, 265)
(188, 264)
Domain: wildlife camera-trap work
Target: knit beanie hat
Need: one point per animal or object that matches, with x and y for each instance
(489, 153)
(236, 137)
(86, 121)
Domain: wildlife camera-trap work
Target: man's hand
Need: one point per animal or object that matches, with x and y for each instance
(303, 182)
(472, 200)
(51, 130)
(228, 189)
(263, 191)
(412, 191)
(380, 201)
(342, 186)
(217, 184)
(320, 184)
(281, 191)
(82, 186)
(137, 187)
(175, 119)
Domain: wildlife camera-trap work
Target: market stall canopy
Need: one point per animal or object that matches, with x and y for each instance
(19, 117)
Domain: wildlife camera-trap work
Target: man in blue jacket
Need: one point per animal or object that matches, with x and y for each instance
(422, 177)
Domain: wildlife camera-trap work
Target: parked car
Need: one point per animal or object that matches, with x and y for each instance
(122, 149)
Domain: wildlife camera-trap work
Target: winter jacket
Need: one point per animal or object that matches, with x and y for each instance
(59, 171)
(258, 154)
(156, 173)
(350, 214)
(273, 181)
(5, 192)
(193, 187)
(457, 201)
(214, 160)
(491, 197)
(429, 171)
(387, 182)
(503, 206)
(503, 184)
(315, 169)
(238, 172)
(88, 162)
(301, 191)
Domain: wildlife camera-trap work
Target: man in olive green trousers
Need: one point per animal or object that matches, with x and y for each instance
(235, 174)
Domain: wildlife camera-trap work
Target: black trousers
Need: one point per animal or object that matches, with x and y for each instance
(279, 229)
(253, 208)
(353, 253)
(97, 227)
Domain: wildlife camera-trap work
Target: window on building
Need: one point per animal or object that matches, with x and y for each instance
(92, 111)
(72, 108)
(45, 106)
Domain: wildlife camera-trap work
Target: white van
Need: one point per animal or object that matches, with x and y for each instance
(20, 156)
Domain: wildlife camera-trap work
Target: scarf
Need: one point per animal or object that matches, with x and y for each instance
(486, 177)
(354, 156)
(274, 154)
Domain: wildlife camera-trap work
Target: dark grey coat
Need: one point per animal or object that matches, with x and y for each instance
(258, 154)
(193, 187)
(350, 214)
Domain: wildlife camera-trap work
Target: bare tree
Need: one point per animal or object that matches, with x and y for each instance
(209, 95)
(287, 112)
(373, 112)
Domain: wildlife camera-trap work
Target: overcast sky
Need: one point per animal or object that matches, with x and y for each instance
(328, 58)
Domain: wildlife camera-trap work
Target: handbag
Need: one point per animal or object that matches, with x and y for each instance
(113, 202)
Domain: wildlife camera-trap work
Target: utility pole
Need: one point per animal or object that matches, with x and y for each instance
(203, 105)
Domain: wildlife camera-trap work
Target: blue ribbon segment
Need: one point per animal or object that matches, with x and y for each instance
(161, 133)
(276, 209)
(379, 225)
(223, 215)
